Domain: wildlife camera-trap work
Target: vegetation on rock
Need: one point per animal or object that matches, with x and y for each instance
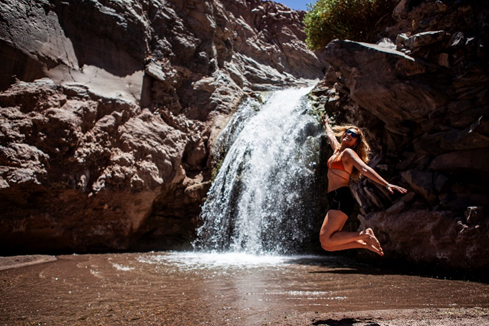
(343, 19)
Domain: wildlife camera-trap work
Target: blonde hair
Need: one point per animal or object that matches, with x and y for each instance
(361, 148)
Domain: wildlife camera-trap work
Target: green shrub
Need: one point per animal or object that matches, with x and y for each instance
(327, 20)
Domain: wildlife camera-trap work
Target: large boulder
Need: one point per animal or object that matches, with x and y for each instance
(380, 79)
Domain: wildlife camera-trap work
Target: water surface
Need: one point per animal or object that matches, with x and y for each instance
(214, 289)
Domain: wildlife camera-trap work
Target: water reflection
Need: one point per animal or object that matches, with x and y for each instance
(202, 260)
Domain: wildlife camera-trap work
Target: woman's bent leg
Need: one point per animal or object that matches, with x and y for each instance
(333, 239)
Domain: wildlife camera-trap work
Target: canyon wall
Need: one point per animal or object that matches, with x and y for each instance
(421, 96)
(109, 110)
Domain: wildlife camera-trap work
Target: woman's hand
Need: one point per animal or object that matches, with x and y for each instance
(330, 133)
(325, 120)
(391, 189)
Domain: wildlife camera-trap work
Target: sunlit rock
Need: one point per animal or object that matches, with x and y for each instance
(109, 111)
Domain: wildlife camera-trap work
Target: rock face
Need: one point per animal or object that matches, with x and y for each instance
(422, 98)
(109, 110)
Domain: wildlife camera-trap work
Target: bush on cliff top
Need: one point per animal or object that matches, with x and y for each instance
(327, 20)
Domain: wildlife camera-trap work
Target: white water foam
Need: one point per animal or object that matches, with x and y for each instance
(262, 198)
(208, 260)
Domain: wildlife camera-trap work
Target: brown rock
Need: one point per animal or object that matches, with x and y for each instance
(420, 40)
(423, 110)
(375, 79)
(474, 214)
(422, 183)
(428, 236)
(473, 162)
(112, 148)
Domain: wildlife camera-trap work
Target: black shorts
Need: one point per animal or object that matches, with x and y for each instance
(341, 199)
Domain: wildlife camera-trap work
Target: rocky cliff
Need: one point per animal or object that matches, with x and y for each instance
(421, 95)
(109, 110)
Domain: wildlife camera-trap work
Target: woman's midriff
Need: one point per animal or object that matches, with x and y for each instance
(335, 182)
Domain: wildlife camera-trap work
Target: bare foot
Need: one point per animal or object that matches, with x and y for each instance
(370, 232)
(372, 243)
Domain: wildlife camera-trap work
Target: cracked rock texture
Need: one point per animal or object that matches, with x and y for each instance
(109, 110)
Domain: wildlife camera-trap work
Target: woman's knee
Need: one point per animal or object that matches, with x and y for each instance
(326, 242)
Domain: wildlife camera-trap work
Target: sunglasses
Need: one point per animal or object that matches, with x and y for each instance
(351, 133)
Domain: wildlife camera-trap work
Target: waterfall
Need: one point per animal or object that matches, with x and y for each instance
(263, 199)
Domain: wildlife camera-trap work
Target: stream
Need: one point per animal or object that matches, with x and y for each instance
(188, 288)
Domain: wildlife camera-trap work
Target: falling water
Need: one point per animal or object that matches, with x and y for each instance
(263, 199)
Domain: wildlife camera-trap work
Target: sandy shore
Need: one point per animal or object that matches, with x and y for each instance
(408, 317)
(21, 261)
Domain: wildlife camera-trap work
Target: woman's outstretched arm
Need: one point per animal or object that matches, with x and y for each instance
(330, 133)
(370, 173)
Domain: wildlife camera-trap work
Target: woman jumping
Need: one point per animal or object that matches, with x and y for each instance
(348, 161)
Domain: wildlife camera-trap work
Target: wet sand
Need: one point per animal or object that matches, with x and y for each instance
(204, 289)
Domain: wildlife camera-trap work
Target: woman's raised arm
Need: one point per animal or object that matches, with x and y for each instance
(330, 133)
